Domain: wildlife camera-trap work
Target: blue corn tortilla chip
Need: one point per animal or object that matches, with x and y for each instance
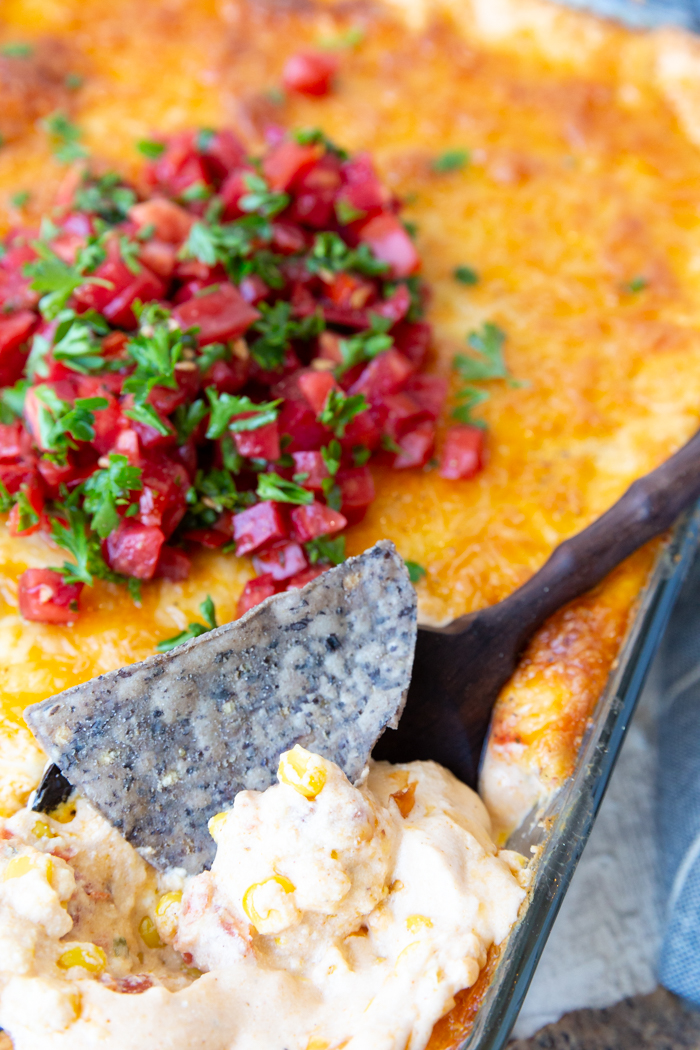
(161, 746)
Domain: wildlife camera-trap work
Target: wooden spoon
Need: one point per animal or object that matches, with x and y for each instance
(460, 669)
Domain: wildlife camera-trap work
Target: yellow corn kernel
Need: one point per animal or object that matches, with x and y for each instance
(317, 1044)
(249, 908)
(303, 771)
(415, 922)
(64, 813)
(215, 825)
(168, 913)
(41, 830)
(149, 933)
(89, 956)
(17, 867)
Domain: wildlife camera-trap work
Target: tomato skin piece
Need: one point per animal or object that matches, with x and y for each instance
(11, 444)
(35, 496)
(232, 190)
(316, 386)
(254, 592)
(356, 492)
(172, 223)
(396, 306)
(302, 578)
(146, 287)
(297, 417)
(416, 447)
(403, 414)
(386, 374)
(14, 475)
(429, 392)
(173, 564)
(365, 429)
(71, 474)
(162, 499)
(222, 154)
(362, 189)
(462, 454)
(253, 289)
(287, 161)
(45, 598)
(15, 330)
(257, 526)
(309, 73)
(391, 243)
(227, 376)
(281, 561)
(312, 464)
(221, 315)
(133, 549)
(314, 520)
(263, 443)
(212, 539)
(287, 238)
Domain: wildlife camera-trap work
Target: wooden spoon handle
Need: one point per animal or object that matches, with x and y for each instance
(649, 506)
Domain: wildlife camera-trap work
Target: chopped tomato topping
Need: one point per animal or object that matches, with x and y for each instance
(462, 454)
(256, 591)
(281, 561)
(391, 243)
(315, 519)
(416, 447)
(133, 549)
(220, 315)
(257, 526)
(309, 73)
(44, 597)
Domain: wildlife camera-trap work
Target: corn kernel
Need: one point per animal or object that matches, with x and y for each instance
(303, 771)
(17, 867)
(64, 813)
(41, 830)
(215, 825)
(89, 956)
(260, 921)
(168, 913)
(415, 922)
(149, 933)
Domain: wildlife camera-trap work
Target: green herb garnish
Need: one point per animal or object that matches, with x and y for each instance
(272, 486)
(451, 160)
(326, 549)
(416, 572)
(339, 410)
(107, 489)
(194, 630)
(465, 275)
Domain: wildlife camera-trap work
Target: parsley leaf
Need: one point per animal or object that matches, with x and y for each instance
(76, 343)
(224, 407)
(637, 284)
(416, 572)
(490, 364)
(326, 550)
(469, 397)
(156, 349)
(360, 455)
(12, 401)
(65, 137)
(277, 328)
(272, 486)
(451, 160)
(345, 212)
(237, 246)
(187, 418)
(107, 489)
(330, 253)
(19, 199)
(27, 515)
(16, 50)
(74, 536)
(365, 345)
(58, 280)
(105, 195)
(465, 275)
(60, 422)
(194, 630)
(150, 149)
(6, 500)
(340, 410)
(260, 198)
(317, 137)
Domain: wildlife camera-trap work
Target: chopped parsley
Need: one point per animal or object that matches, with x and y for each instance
(365, 345)
(188, 417)
(65, 138)
(17, 50)
(317, 137)
(636, 284)
(350, 38)
(150, 149)
(27, 517)
(451, 160)
(71, 532)
(193, 630)
(156, 349)
(261, 199)
(416, 572)
(276, 329)
(224, 409)
(339, 410)
(57, 280)
(109, 488)
(62, 424)
(272, 486)
(106, 196)
(326, 549)
(19, 199)
(465, 275)
(490, 364)
(331, 254)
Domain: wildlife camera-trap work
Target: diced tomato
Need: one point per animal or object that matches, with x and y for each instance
(280, 561)
(171, 223)
(329, 347)
(412, 339)
(15, 330)
(232, 190)
(416, 447)
(356, 492)
(347, 289)
(221, 315)
(160, 257)
(133, 549)
(15, 293)
(386, 374)
(313, 465)
(172, 564)
(396, 306)
(290, 363)
(403, 414)
(263, 443)
(309, 72)
(109, 421)
(162, 500)
(297, 418)
(254, 592)
(227, 376)
(70, 475)
(391, 243)
(222, 153)
(114, 271)
(165, 400)
(127, 444)
(257, 526)
(287, 238)
(45, 598)
(14, 475)
(315, 192)
(429, 392)
(302, 578)
(145, 286)
(314, 520)
(11, 444)
(35, 496)
(212, 539)
(149, 437)
(316, 386)
(462, 454)
(362, 190)
(179, 166)
(286, 162)
(345, 316)
(196, 270)
(364, 430)
(253, 289)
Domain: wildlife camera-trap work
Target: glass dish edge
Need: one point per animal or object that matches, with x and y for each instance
(573, 809)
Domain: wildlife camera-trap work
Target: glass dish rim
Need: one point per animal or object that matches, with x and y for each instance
(571, 812)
